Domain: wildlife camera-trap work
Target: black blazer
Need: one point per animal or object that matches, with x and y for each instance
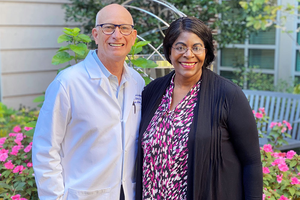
(224, 157)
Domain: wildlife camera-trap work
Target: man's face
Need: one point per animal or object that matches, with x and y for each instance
(116, 46)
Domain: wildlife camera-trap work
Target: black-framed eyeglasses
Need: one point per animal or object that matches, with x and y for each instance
(108, 28)
(181, 49)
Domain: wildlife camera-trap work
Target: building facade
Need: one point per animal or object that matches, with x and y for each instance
(274, 52)
(28, 40)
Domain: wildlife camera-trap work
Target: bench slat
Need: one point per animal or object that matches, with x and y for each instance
(279, 107)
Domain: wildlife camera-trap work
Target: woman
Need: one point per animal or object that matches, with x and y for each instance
(198, 138)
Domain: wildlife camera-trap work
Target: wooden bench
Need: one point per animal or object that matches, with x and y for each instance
(278, 106)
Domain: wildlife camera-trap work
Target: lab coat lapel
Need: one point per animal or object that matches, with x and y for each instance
(95, 73)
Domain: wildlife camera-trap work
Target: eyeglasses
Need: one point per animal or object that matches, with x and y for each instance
(181, 49)
(109, 29)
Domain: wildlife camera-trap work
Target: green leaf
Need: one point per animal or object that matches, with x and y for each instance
(4, 185)
(137, 50)
(63, 38)
(79, 49)
(85, 38)
(61, 57)
(288, 135)
(30, 183)
(257, 25)
(2, 190)
(81, 57)
(73, 32)
(244, 5)
(40, 105)
(141, 44)
(39, 99)
(76, 30)
(8, 180)
(147, 80)
(30, 133)
(64, 48)
(292, 191)
(144, 63)
(293, 163)
(20, 185)
(31, 124)
(5, 174)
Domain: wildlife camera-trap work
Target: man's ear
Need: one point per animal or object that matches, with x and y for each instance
(134, 34)
(95, 35)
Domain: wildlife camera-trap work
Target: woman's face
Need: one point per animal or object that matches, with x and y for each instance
(187, 65)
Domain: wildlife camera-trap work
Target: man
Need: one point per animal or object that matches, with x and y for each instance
(85, 142)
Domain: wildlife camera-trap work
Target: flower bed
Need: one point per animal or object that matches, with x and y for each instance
(17, 176)
(281, 170)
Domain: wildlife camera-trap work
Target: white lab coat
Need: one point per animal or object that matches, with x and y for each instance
(78, 147)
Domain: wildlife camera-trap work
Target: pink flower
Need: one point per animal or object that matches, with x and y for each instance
(17, 129)
(275, 155)
(273, 124)
(2, 140)
(18, 168)
(295, 181)
(15, 150)
(19, 136)
(3, 156)
(279, 124)
(259, 115)
(16, 197)
(279, 178)
(3, 151)
(290, 154)
(27, 149)
(287, 124)
(12, 134)
(9, 165)
(253, 111)
(283, 167)
(283, 130)
(283, 198)
(262, 110)
(30, 143)
(27, 128)
(268, 148)
(282, 154)
(29, 164)
(278, 161)
(18, 142)
(266, 170)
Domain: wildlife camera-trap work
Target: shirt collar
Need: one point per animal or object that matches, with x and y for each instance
(126, 72)
(102, 67)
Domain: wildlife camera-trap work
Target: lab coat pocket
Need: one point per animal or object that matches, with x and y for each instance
(102, 194)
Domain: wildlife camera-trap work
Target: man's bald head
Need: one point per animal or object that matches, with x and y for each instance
(113, 11)
(113, 46)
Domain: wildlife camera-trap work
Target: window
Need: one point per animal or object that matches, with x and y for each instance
(258, 52)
